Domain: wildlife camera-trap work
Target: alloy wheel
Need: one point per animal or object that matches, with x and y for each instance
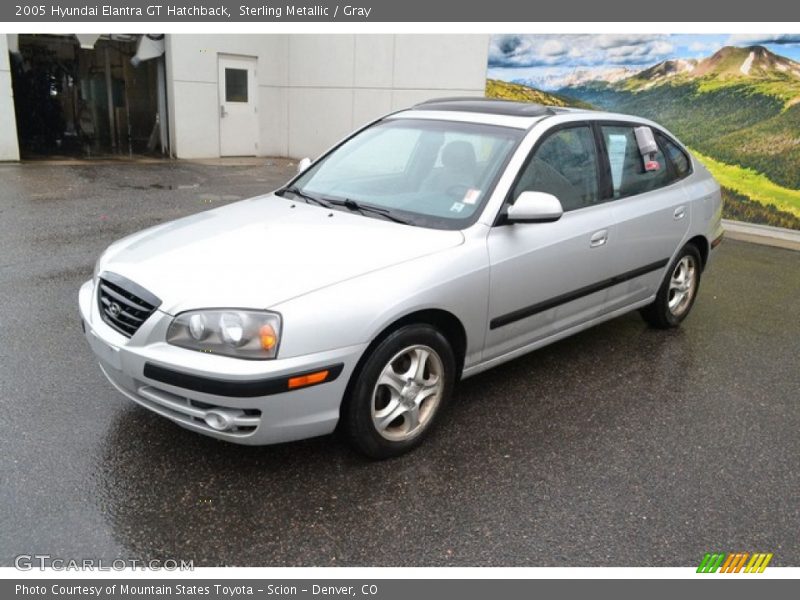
(407, 393)
(682, 285)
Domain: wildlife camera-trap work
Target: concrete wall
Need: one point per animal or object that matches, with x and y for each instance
(314, 89)
(192, 90)
(9, 148)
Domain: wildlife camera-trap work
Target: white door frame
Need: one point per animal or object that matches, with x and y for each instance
(248, 132)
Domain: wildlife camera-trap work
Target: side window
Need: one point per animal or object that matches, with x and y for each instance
(564, 165)
(676, 156)
(628, 175)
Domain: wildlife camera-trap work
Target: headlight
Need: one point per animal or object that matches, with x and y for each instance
(238, 333)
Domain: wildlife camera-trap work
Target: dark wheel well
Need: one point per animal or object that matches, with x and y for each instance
(701, 243)
(444, 321)
(447, 323)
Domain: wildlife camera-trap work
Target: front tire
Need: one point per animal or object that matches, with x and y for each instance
(678, 291)
(399, 392)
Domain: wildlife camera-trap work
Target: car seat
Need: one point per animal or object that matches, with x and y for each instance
(459, 168)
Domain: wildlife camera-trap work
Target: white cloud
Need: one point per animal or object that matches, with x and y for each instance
(521, 51)
(612, 41)
(743, 39)
(553, 47)
(703, 46)
(661, 47)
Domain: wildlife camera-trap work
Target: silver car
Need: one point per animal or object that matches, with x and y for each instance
(431, 245)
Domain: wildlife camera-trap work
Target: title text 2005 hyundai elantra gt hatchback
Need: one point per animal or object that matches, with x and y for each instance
(431, 245)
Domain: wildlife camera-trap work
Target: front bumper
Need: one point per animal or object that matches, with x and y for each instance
(194, 389)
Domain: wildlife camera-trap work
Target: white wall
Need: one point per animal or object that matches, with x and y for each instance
(193, 94)
(314, 89)
(9, 148)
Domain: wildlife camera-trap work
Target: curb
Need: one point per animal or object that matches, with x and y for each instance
(766, 235)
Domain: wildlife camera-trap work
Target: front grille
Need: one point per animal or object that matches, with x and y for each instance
(123, 304)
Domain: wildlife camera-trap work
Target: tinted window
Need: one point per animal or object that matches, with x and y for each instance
(677, 157)
(628, 174)
(235, 85)
(564, 165)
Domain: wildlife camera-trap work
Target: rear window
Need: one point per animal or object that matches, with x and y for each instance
(679, 159)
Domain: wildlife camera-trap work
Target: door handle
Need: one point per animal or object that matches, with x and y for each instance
(679, 213)
(598, 238)
(222, 112)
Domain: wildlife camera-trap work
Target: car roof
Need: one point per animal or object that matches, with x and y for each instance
(484, 110)
(508, 113)
(491, 106)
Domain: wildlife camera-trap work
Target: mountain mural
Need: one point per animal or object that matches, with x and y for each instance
(524, 93)
(738, 109)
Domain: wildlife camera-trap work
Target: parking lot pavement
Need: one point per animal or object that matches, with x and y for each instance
(620, 446)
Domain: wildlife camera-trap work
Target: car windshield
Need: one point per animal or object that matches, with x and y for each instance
(426, 172)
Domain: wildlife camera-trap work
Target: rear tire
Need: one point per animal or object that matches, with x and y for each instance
(678, 291)
(399, 392)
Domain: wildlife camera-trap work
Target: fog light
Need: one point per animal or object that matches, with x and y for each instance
(219, 419)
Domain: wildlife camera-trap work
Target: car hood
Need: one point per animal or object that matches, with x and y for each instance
(263, 251)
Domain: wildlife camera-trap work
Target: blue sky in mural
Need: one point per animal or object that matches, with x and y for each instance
(548, 61)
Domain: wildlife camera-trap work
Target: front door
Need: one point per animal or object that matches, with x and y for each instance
(238, 98)
(549, 277)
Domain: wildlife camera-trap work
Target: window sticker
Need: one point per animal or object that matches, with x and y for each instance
(457, 207)
(645, 140)
(471, 197)
(652, 165)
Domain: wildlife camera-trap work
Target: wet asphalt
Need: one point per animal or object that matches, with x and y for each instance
(621, 446)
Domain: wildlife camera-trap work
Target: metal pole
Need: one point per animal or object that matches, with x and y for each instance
(124, 64)
(163, 122)
(110, 98)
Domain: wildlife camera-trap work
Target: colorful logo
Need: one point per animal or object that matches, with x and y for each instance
(734, 562)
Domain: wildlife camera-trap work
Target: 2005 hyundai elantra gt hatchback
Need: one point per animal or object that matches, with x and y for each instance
(433, 244)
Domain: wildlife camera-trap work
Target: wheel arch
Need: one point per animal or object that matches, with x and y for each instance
(443, 320)
(701, 243)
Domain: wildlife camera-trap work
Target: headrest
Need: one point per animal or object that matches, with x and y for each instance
(459, 155)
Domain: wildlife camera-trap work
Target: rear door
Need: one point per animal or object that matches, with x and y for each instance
(650, 213)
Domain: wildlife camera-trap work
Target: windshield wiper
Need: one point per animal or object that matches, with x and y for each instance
(347, 203)
(368, 208)
(307, 197)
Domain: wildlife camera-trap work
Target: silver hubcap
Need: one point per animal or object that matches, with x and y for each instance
(682, 285)
(407, 393)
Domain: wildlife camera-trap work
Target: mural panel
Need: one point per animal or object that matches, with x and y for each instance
(733, 99)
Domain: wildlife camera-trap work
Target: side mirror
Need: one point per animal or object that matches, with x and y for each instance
(534, 207)
(303, 164)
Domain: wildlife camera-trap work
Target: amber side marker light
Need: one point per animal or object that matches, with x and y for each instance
(306, 380)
